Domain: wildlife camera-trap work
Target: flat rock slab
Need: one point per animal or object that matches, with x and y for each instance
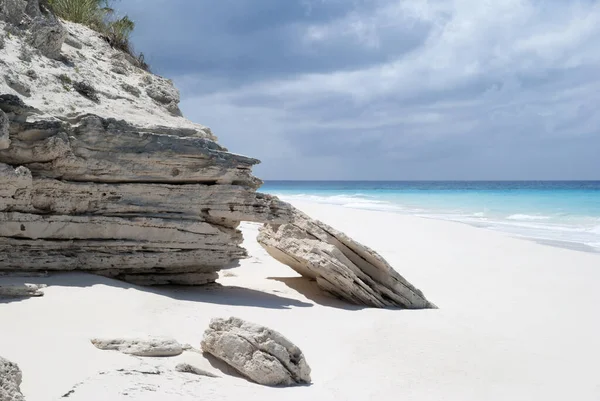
(340, 265)
(10, 381)
(150, 347)
(257, 352)
(21, 291)
(95, 149)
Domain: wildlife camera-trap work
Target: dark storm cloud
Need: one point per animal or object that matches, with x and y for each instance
(239, 41)
(388, 89)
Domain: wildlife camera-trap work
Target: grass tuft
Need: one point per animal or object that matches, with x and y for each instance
(87, 12)
(100, 16)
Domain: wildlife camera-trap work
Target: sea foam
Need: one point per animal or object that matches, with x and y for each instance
(527, 217)
(565, 216)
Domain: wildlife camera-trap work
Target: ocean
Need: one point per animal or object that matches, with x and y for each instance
(559, 213)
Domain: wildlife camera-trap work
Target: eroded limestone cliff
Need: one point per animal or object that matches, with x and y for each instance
(100, 172)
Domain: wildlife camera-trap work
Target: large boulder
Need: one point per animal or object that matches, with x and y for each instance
(47, 35)
(259, 353)
(340, 265)
(10, 381)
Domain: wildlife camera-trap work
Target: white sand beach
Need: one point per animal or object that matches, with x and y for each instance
(100, 172)
(516, 321)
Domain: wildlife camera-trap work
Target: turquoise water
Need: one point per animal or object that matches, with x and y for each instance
(562, 213)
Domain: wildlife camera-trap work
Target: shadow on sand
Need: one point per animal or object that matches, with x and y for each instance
(311, 290)
(212, 293)
(223, 367)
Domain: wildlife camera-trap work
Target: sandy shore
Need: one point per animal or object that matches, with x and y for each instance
(517, 321)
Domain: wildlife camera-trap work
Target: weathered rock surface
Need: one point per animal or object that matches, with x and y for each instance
(100, 195)
(15, 83)
(61, 53)
(90, 148)
(165, 93)
(259, 353)
(47, 35)
(44, 32)
(340, 265)
(187, 368)
(10, 381)
(21, 291)
(12, 11)
(16, 110)
(33, 8)
(4, 138)
(150, 347)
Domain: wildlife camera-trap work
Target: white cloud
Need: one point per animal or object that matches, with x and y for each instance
(484, 67)
(468, 39)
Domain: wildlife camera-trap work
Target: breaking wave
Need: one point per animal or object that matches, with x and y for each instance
(560, 228)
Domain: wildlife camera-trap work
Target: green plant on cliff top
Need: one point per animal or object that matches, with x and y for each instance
(118, 32)
(100, 16)
(91, 13)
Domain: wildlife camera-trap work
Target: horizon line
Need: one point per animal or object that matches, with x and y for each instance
(433, 180)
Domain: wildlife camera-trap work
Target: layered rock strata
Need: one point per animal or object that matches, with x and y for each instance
(146, 205)
(340, 265)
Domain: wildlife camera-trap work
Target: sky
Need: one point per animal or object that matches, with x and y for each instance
(387, 89)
